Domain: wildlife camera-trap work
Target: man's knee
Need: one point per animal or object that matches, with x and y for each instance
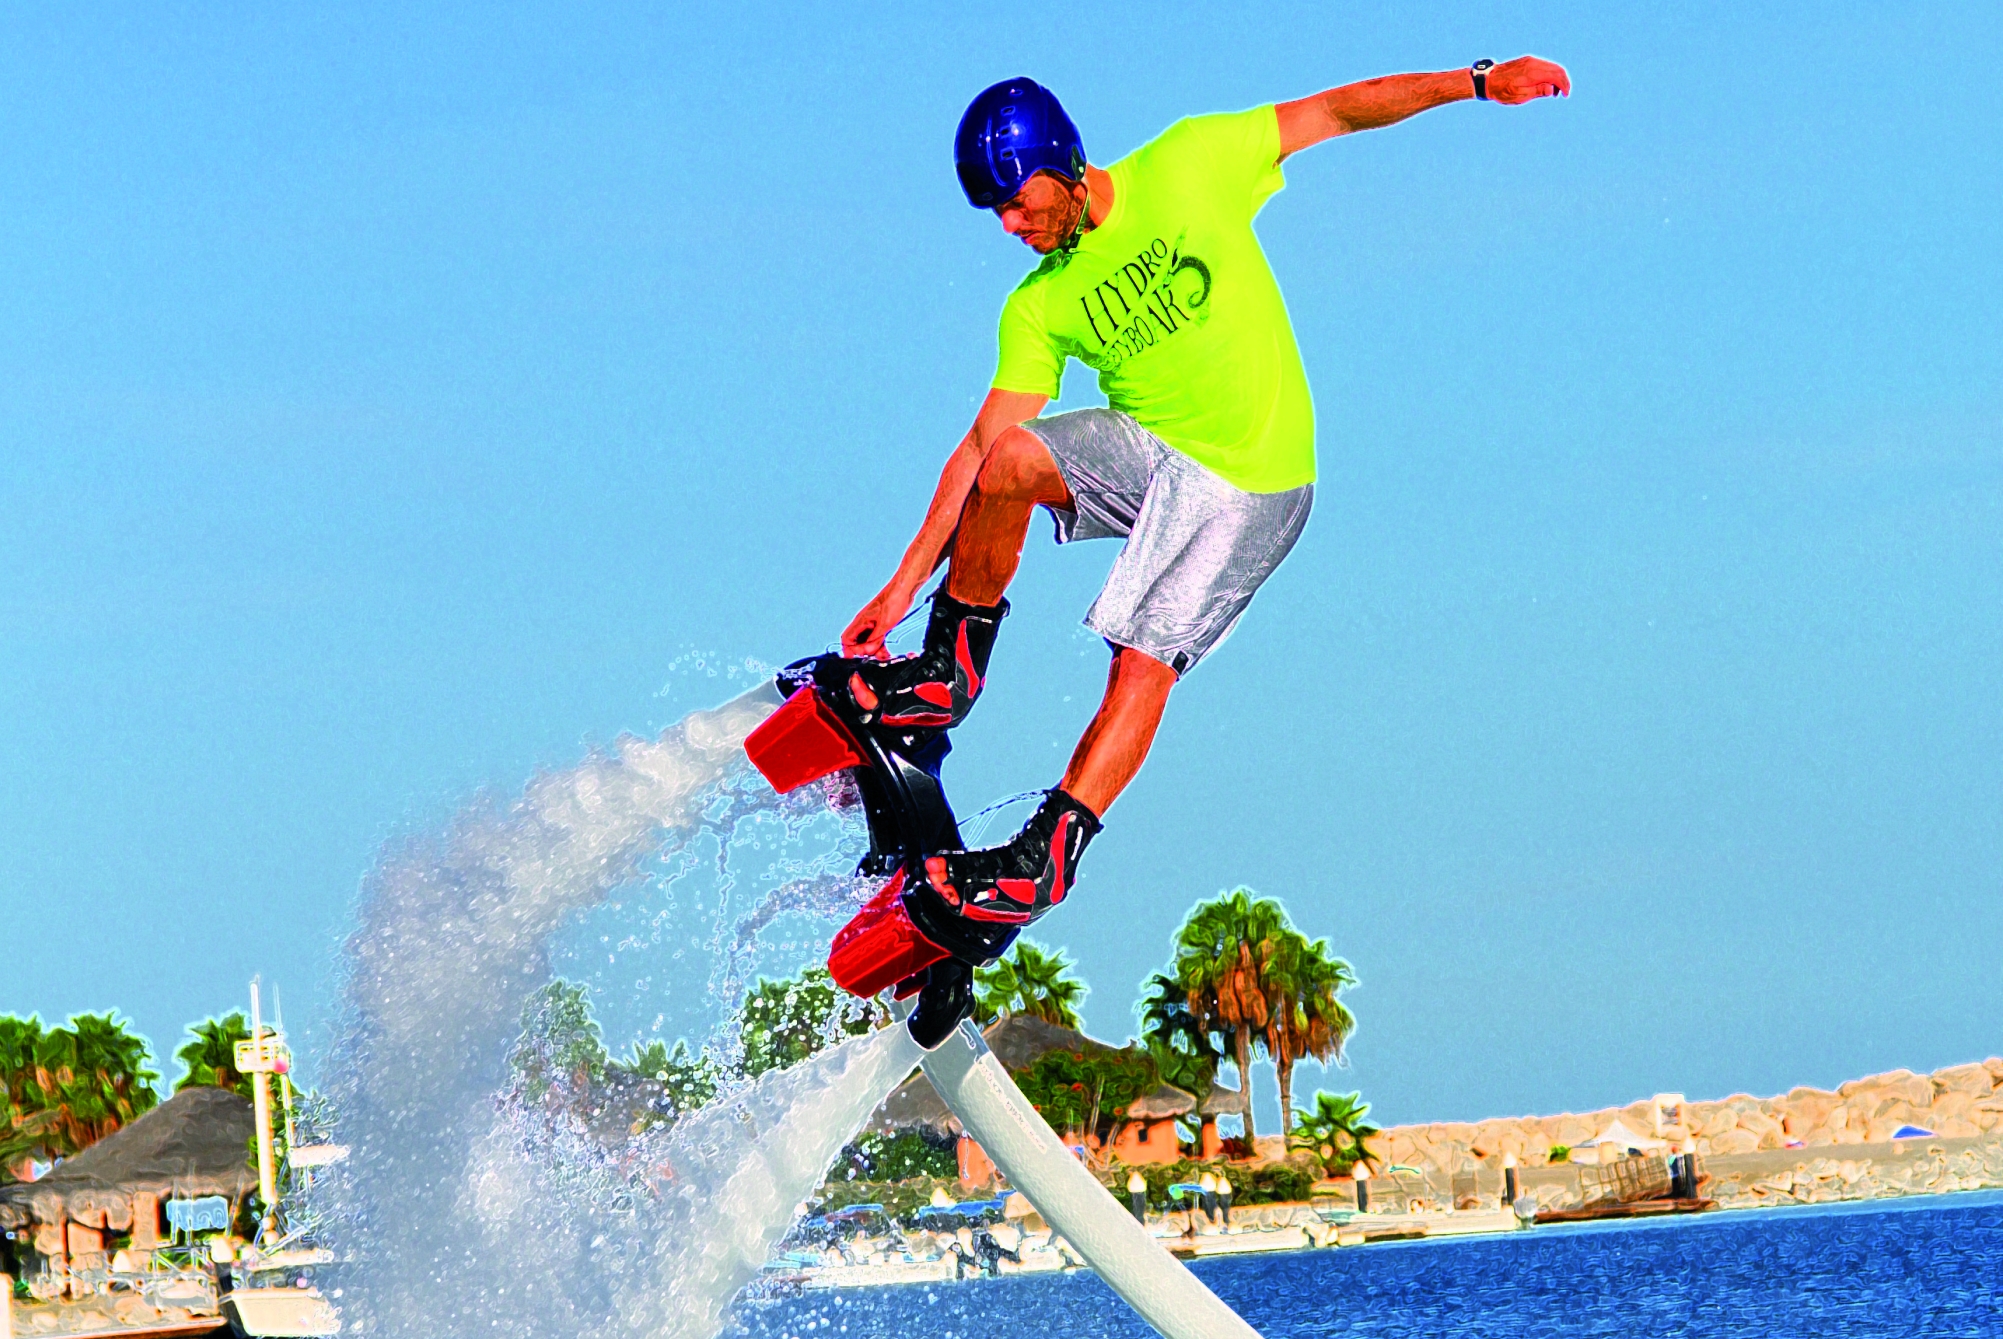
(1139, 676)
(1018, 467)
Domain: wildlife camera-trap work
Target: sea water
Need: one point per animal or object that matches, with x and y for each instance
(1901, 1269)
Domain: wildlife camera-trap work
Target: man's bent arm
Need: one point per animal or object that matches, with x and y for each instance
(1389, 100)
(1001, 411)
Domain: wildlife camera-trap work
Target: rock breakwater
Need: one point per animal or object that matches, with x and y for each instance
(1909, 1167)
(1958, 1102)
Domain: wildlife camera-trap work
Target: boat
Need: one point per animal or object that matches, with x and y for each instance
(1587, 1213)
(1206, 1244)
(290, 1312)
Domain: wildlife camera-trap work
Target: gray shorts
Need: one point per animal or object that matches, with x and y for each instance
(1197, 547)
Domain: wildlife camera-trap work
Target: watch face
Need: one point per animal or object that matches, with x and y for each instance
(1483, 66)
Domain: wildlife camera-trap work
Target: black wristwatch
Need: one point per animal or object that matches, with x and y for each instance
(1480, 71)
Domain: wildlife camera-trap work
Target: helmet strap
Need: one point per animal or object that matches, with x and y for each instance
(1084, 223)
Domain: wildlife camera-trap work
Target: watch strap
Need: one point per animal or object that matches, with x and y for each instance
(1480, 71)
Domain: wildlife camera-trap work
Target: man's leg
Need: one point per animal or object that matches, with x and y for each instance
(1017, 477)
(1113, 747)
(1116, 743)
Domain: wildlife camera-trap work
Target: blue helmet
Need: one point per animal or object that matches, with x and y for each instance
(1012, 131)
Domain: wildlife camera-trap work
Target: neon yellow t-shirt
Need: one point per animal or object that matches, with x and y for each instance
(1171, 301)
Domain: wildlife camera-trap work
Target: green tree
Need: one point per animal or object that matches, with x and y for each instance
(649, 1060)
(1251, 978)
(900, 1157)
(1224, 962)
(688, 1080)
(1081, 1090)
(784, 1022)
(110, 1063)
(559, 1043)
(1182, 1050)
(23, 1121)
(1305, 1020)
(210, 1057)
(68, 1087)
(1032, 981)
(1334, 1131)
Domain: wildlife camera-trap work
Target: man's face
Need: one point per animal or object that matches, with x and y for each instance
(1044, 213)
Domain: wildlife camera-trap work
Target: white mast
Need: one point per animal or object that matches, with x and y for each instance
(284, 1070)
(260, 1057)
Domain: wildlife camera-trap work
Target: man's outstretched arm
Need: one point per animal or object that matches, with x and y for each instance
(1001, 411)
(1389, 100)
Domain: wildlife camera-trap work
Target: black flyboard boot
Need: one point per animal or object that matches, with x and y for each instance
(817, 731)
(999, 889)
(935, 688)
(1015, 883)
(944, 1000)
(913, 699)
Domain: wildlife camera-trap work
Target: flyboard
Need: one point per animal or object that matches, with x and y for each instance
(893, 944)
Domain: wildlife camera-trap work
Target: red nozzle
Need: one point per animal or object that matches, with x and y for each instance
(880, 946)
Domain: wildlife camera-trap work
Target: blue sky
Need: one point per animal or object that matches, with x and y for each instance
(391, 399)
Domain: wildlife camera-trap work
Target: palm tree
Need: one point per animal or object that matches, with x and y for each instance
(1306, 1019)
(1335, 1130)
(1182, 1051)
(1032, 981)
(560, 1043)
(1224, 962)
(20, 1047)
(110, 1063)
(68, 1087)
(23, 1122)
(210, 1058)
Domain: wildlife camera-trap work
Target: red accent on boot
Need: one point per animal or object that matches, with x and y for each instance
(880, 946)
(938, 694)
(966, 659)
(1024, 890)
(977, 913)
(800, 742)
(1060, 844)
(918, 718)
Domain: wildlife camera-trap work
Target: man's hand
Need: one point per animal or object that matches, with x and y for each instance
(1527, 78)
(866, 631)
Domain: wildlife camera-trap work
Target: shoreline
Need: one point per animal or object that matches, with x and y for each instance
(1769, 1180)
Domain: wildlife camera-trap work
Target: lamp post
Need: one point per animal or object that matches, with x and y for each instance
(1224, 1193)
(1683, 1172)
(1137, 1195)
(1362, 1174)
(1207, 1183)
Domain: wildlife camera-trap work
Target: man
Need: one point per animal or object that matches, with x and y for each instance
(1203, 462)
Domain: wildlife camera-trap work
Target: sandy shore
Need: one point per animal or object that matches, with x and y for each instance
(1756, 1180)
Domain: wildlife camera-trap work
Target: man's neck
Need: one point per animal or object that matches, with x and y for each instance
(1098, 195)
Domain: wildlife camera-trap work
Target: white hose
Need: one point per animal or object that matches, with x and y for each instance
(1122, 1252)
